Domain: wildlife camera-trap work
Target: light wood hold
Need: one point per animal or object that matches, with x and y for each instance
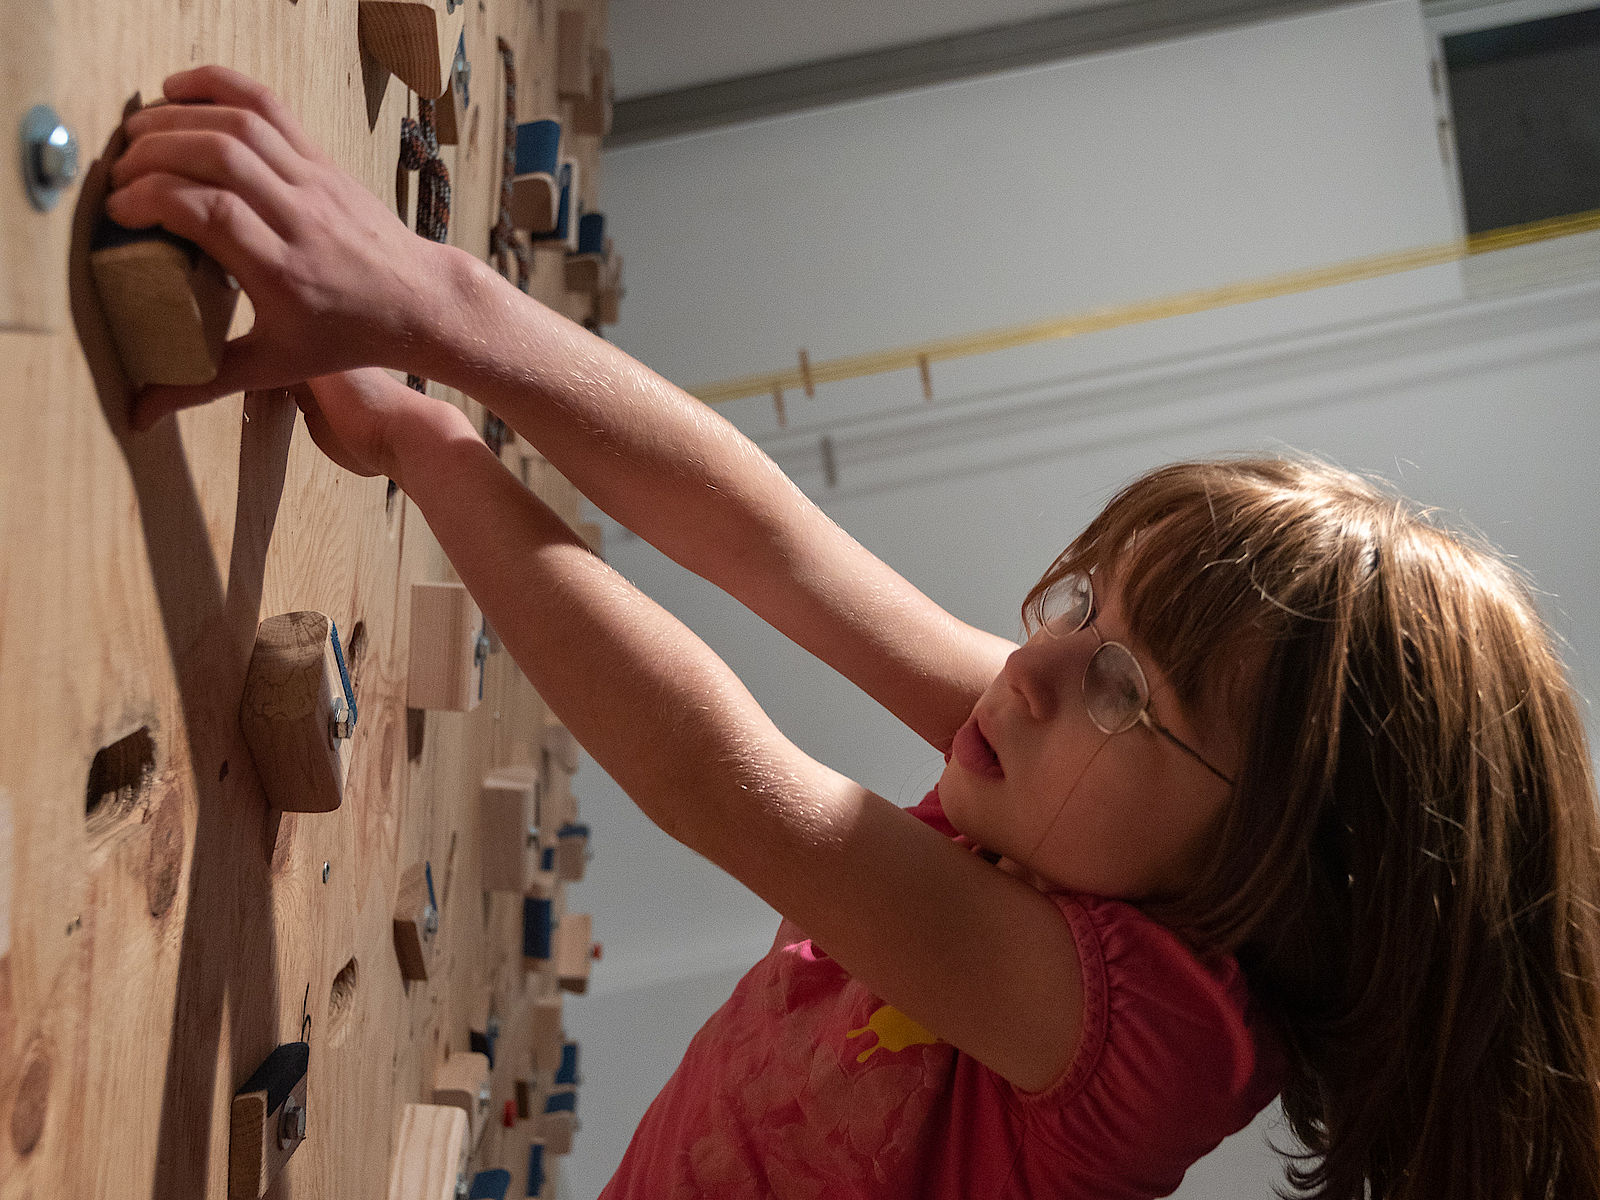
(557, 1126)
(462, 1081)
(445, 669)
(508, 824)
(572, 54)
(168, 306)
(548, 1037)
(416, 923)
(593, 112)
(415, 39)
(574, 951)
(268, 1121)
(430, 1153)
(562, 745)
(572, 852)
(288, 713)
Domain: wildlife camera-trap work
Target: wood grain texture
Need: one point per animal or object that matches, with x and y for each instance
(163, 944)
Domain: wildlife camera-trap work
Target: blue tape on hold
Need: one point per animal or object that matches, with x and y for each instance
(490, 1185)
(538, 147)
(573, 829)
(482, 1043)
(568, 1071)
(561, 1102)
(344, 673)
(537, 926)
(592, 233)
(535, 1168)
(547, 861)
(427, 873)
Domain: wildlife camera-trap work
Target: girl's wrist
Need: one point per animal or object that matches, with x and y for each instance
(421, 439)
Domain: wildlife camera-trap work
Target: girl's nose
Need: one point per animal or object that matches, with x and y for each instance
(1037, 671)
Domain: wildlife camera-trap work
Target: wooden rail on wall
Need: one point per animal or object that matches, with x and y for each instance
(164, 930)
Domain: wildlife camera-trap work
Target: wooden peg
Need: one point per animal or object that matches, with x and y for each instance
(548, 1038)
(167, 304)
(572, 851)
(522, 1089)
(805, 375)
(268, 1122)
(777, 404)
(415, 39)
(574, 951)
(572, 54)
(490, 1185)
(560, 1120)
(536, 183)
(416, 921)
(298, 712)
(447, 653)
(593, 112)
(462, 1081)
(508, 824)
(927, 376)
(430, 1153)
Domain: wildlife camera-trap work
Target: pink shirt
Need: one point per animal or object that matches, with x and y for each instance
(806, 1085)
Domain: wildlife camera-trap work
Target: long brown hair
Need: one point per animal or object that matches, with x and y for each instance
(1409, 870)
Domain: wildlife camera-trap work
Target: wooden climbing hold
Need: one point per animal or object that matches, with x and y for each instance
(559, 1121)
(430, 1153)
(462, 1081)
(548, 1037)
(416, 922)
(572, 54)
(508, 824)
(572, 851)
(268, 1121)
(415, 39)
(298, 712)
(167, 304)
(564, 233)
(447, 651)
(571, 951)
(537, 178)
(592, 113)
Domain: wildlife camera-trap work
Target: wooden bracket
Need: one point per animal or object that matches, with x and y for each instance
(572, 851)
(548, 1038)
(560, 1120)
(430, 1153)
(298, 712)
(416, 921)
(448, 651)
(415, 39)
(462, 1081)
(268, 1121)
(508, 823)
(574, 951)
(167, 304)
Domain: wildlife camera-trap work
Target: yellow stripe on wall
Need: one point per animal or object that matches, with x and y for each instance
(987, 342)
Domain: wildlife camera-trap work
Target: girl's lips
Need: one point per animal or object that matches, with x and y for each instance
(972, 750)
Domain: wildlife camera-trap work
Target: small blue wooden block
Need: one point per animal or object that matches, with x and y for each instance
(538, 926)
(490, 1185)
(564, 226)
(592, 233)
(568, 1071)
(538, 147)
(561, 1102)
(535, 1168)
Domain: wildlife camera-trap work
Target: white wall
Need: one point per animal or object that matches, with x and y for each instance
(737, 253)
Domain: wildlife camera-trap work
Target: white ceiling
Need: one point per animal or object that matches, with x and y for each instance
(665, 45)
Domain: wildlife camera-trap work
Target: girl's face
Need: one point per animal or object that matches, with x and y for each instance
(1123, 815)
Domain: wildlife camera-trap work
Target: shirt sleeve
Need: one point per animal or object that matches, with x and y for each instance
(1172, 1059)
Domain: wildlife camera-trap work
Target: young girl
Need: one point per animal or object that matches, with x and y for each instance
(1285, 791)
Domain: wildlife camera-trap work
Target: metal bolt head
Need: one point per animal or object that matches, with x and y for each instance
(49, 156)
(340, 723)
(483, 1095)
(430, 921)
(480, 649)
(533, 835)
(292, 1125)
(463, 1188)
(327, 869)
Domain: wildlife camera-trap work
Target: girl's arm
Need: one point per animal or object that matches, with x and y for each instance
(337, 281)
(973, 954)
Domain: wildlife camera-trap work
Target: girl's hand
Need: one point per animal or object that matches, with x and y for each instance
(335, 279)
(354, 417)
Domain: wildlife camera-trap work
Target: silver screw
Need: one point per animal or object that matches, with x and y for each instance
(340, 723)
(327, 869)
(533, 834)
(292, 1127)
(430, 921)
(483, 1095)
(49, 156)
(480, 649)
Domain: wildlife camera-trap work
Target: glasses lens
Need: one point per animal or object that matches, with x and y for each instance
(1114, 688)
(1067, 603)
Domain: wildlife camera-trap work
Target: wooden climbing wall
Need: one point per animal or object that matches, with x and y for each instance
(162, 929)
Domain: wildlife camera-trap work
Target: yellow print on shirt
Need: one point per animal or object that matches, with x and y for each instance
(895, 1032)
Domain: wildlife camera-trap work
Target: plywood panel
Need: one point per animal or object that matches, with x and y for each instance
(162, 930)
